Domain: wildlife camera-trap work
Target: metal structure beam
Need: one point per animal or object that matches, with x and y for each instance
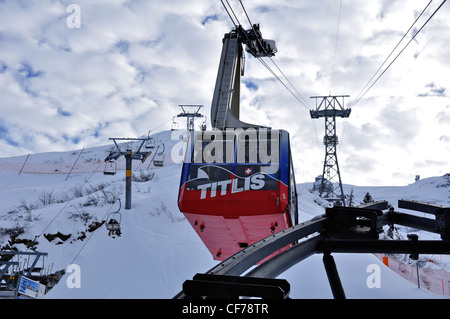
(232, 287)
(6, 273)
(333, 276)
(246, 258)
(339, 230)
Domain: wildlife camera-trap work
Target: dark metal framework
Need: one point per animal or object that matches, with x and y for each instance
(10, 270)
(339, 230)
(190, 112)
(331, 107)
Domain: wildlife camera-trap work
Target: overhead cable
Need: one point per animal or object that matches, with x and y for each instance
(303, 102)
(335, 46)
(281, 81)
(362, 93)
(298, 97)
(393, 50)
(228, 9)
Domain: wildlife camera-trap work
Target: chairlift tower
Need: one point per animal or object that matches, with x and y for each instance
(190, 112)
(331, 107)
(129, 155)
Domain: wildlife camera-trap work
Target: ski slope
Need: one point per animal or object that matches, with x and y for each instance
(158, 249)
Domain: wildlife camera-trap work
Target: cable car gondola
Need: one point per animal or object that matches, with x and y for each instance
(238, 188)
(113, 222)
(237, 183)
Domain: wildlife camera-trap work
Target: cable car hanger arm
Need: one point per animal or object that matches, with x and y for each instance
(225, 105)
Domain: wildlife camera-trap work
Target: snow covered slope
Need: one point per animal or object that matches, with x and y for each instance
(158, 249)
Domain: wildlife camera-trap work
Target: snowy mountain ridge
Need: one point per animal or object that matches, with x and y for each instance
(58, 207)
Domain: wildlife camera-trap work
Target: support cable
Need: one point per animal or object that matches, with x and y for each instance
(336, 45)
(245, 11)
(303, 102)
(281, 81)
(298, 97)
(234, 14)
(229, 14)
(361, 94)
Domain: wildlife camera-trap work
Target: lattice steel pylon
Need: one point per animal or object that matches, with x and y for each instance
(331, 107)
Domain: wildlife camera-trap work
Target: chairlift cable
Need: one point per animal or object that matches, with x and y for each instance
(157, 148)
(104, 218)
(92, 233)
(161, 124)
(67, 203)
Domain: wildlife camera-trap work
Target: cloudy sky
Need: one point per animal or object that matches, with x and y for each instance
(75, 73)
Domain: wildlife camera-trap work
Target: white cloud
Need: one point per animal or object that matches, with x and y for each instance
(129, 65)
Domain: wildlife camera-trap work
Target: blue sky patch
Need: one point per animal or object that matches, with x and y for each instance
(262, 9)
(3, 131)
(123, 46)
(3, 67)
(63, 113)
(433, 90)
(210, 18)
(74, 140)
(28, 72)
(250, 85)
(4, 136)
